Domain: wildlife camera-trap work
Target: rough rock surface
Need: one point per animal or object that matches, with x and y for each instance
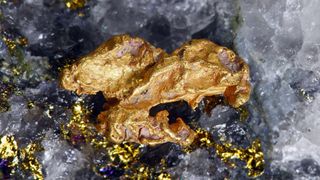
(279, 39)
(281, 43)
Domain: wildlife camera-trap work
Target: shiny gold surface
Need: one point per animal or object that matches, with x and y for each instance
(127, 156)
(13, 44)
(125, 153)
(23, 157)
(9, 150)
(75, 4)
(29, 162)
(252, 156)
(78, 124)
(164, 176)
(140, 76)
(79, 130)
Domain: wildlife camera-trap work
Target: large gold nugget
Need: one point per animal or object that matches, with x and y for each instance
(141, 76)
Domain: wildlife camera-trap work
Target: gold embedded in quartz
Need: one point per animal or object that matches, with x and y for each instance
(164, 176)
(29, 162)
(24, 157)
(5, 91)
(137, 76)
(13, 44)
(126, 153)
(9, 150)
(75, 4)
(252, 155)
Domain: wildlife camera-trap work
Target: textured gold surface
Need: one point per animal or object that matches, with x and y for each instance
(127, 154)
(140, 76)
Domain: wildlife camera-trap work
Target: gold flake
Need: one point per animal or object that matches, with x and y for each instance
(75, 4)
(164, 176)
(30, 104)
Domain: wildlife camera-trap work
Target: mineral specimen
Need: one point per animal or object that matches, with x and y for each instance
(279, 40)
(134, 76)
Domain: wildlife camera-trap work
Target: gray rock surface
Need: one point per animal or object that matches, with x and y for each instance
(279, 39)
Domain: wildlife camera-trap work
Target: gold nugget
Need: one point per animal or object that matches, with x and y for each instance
(136, 76)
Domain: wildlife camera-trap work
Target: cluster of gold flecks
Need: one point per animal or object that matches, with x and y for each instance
(124, 154)
(13, 44)
(79, 125)
(127, 154)
(29, 161)
(252, 156)
(75, 4)
(9, 150)
(5, 92)
(23, 157)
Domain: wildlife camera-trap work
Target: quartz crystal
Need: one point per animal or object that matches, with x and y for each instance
(279, 40)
